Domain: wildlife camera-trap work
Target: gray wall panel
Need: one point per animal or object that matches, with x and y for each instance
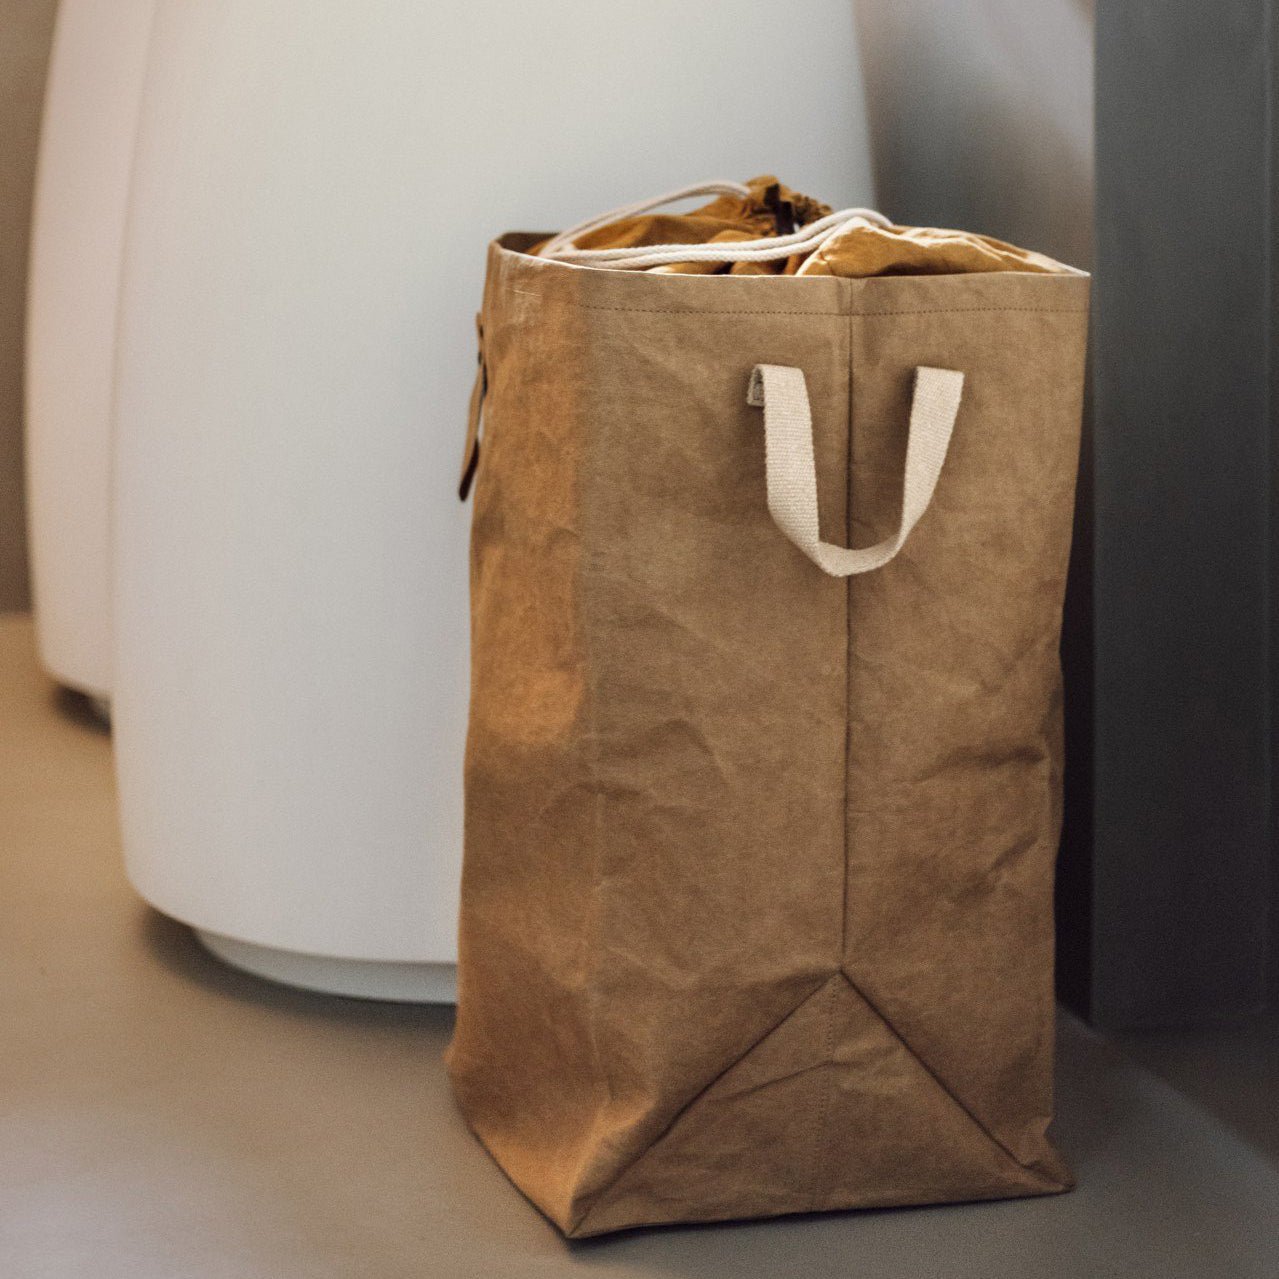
(1180, 754)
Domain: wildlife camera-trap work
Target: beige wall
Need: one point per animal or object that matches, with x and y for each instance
(26, 29)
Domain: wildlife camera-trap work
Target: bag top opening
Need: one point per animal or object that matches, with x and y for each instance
(763, 227)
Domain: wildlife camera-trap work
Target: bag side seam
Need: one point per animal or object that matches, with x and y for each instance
(824, 1139)
(587, 584)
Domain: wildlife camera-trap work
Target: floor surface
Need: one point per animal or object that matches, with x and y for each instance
(163, 1117)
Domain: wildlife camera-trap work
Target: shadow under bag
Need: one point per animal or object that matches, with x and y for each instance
(760, 831)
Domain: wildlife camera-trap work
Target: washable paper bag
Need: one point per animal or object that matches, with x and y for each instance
(763, 774)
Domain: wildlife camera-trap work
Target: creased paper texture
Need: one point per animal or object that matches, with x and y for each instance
(757, 903)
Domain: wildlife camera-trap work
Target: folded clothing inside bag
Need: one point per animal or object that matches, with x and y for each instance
(857, 249)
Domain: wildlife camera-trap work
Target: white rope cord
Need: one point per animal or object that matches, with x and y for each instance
(563, 248)
(714, 187)
(791, 467)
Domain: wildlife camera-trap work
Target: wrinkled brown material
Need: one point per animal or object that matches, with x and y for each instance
(772, 208)
(757, 892)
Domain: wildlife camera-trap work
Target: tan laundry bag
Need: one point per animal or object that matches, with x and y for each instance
(760, 831)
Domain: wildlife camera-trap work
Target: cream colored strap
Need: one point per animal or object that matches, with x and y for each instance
(792, 470)
(563, 247)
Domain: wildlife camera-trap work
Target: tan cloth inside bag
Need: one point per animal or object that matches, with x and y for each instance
(772, 208)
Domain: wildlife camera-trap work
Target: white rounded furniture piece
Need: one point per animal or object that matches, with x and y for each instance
(314, 187)
(86, 149)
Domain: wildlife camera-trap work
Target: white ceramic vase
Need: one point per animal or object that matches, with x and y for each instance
(314, 187)
(86, 150)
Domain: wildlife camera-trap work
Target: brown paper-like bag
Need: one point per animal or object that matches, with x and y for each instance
(757, 892)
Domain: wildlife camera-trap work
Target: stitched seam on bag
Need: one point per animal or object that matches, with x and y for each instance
(587, 591)
(822, 1143)
(848, 650)
(848, 642)
(941, 310)
(941, 1083)
(596, 1195)
(822, 1140)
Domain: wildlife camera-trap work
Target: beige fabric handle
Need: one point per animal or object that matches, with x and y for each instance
(792, 470)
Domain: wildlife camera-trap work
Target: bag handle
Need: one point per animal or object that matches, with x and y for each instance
(471, 449)
(792, 471)
(563, 247)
